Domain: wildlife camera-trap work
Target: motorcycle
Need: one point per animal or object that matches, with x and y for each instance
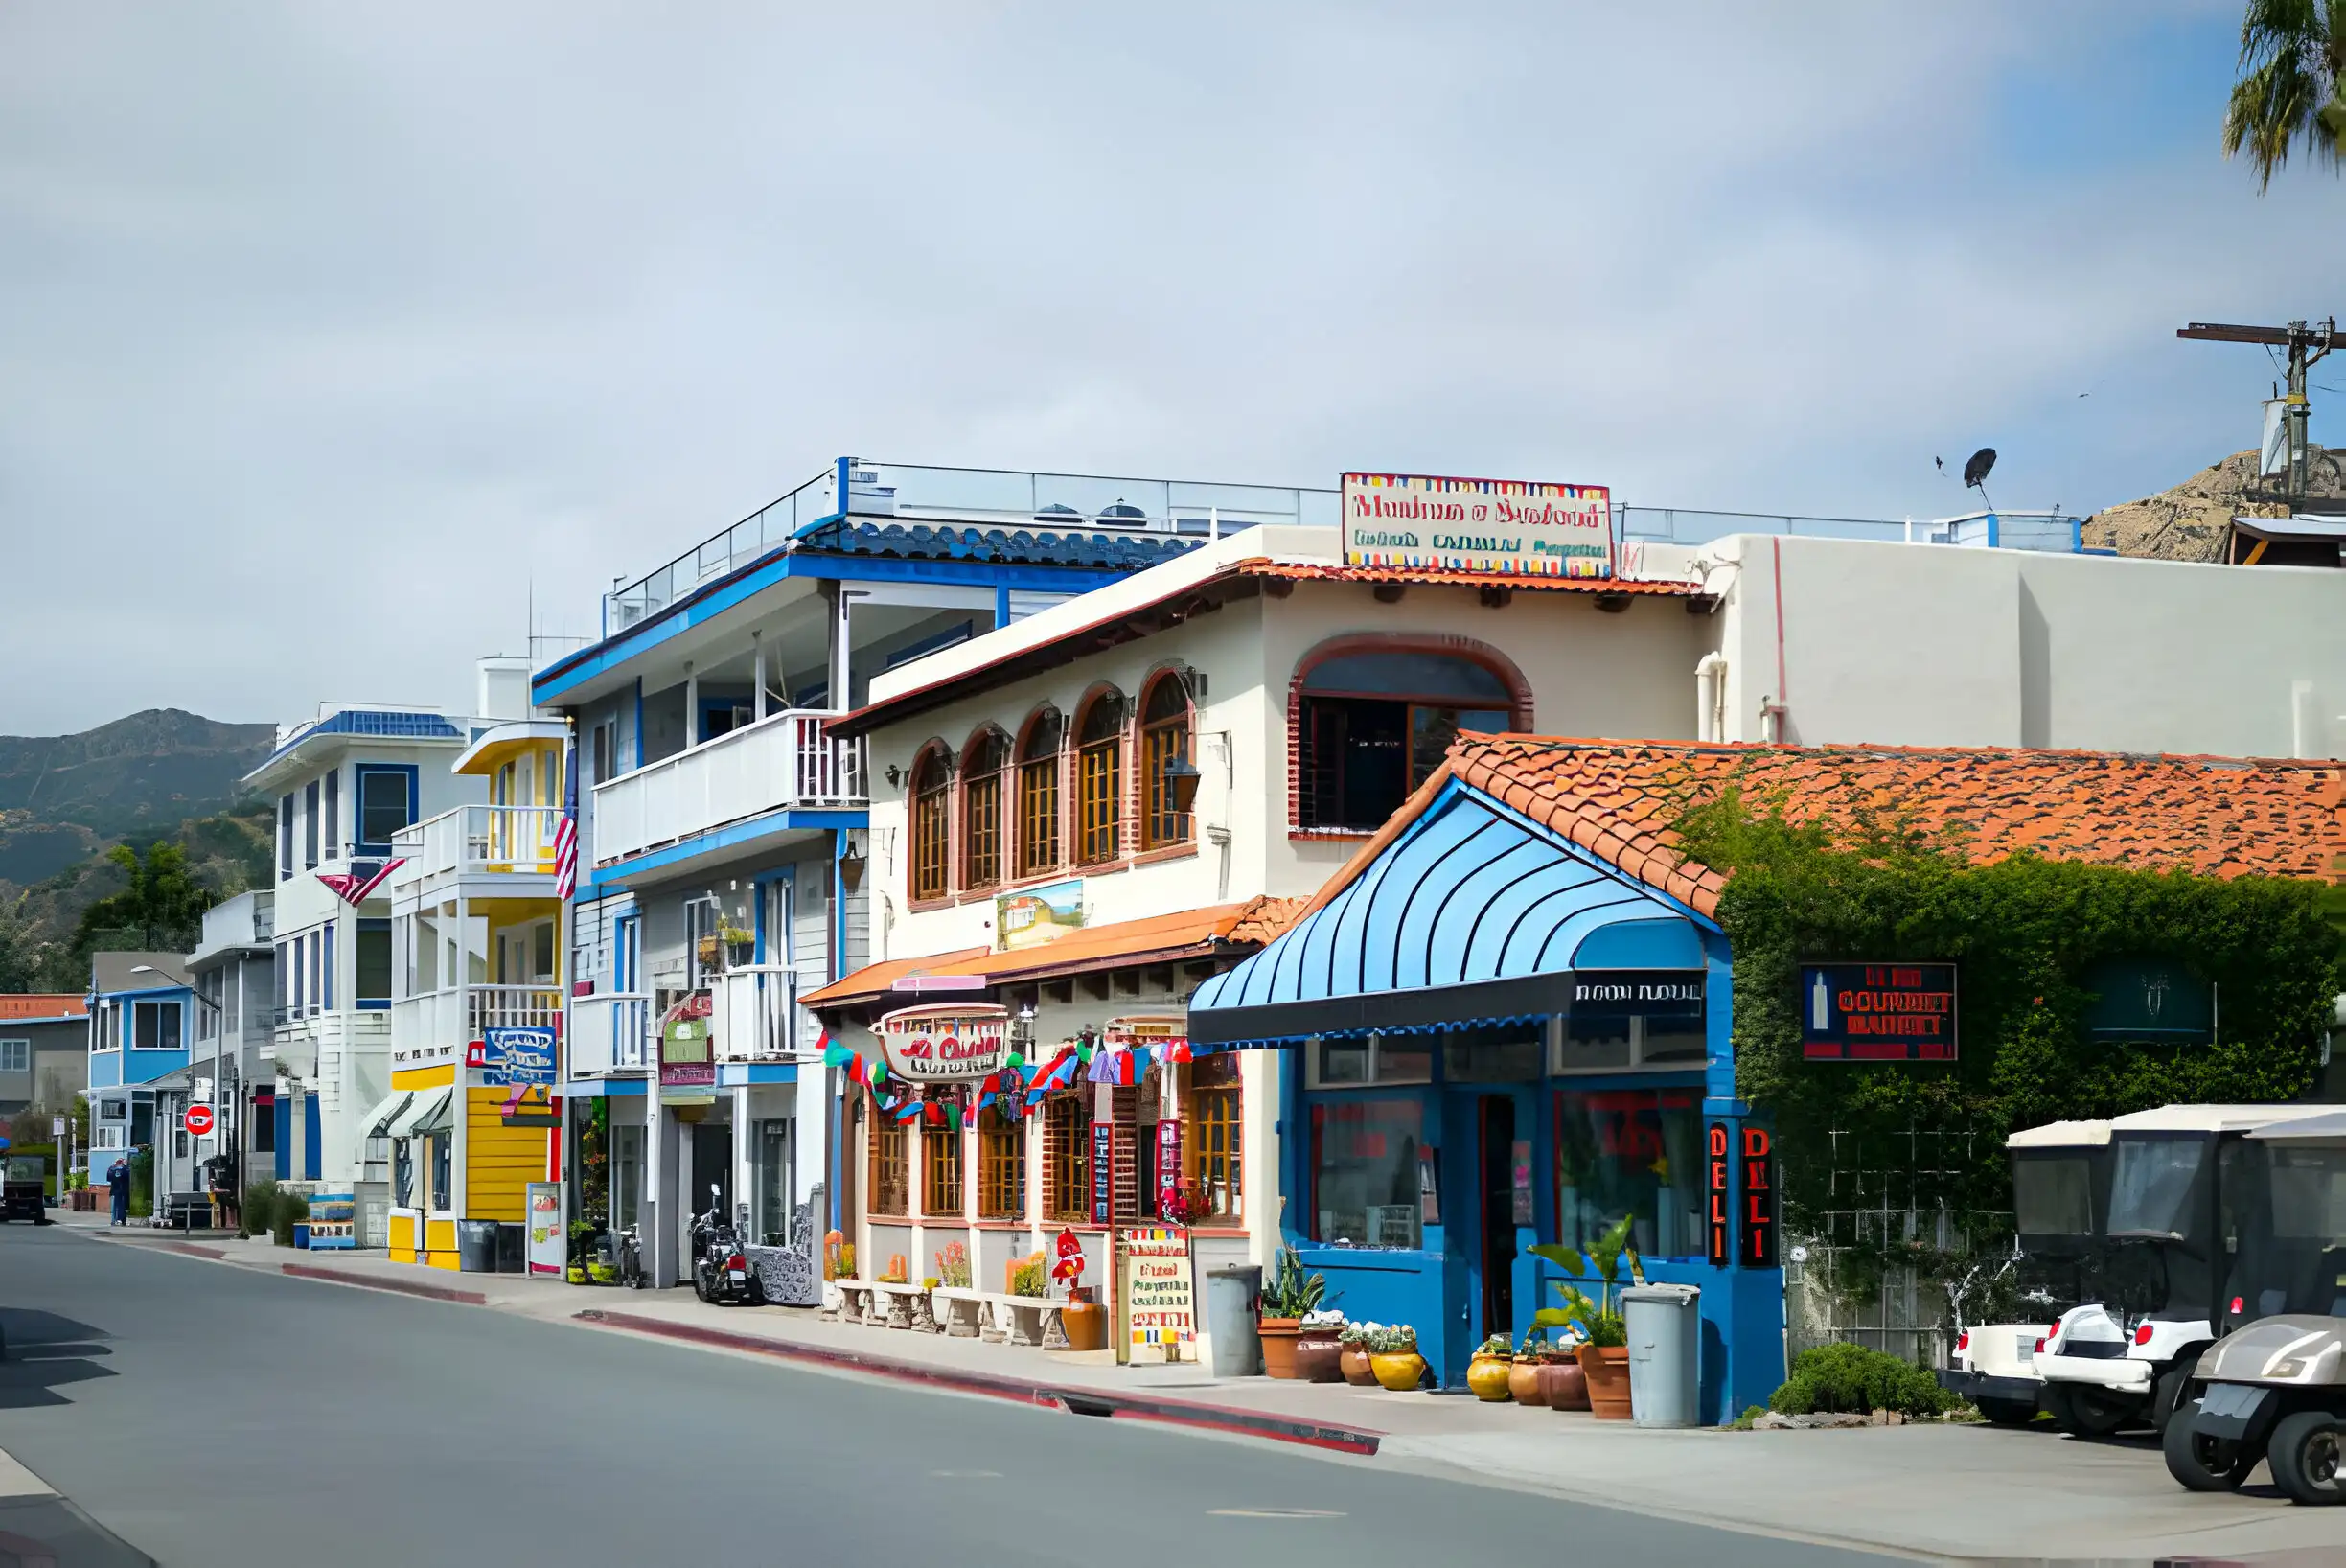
(720, 1269)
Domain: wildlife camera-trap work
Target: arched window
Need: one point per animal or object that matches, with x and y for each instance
(1164, 740)
(1038, 795)
(929, 832)
(982, 809)
(1099, 778)
(1373, 722)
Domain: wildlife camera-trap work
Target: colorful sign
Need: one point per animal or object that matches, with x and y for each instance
(1103, 1172)
(1721, 1153)
(1758, 1189)
(1525, 527)
(198, 1119)
(1036, 915)
(547, 1250)
(513, 1056)
(945, 1042)
(689, 1064)
(1168, 1163)
(334, 1221)
(1890, 1012)
(1157, 1293)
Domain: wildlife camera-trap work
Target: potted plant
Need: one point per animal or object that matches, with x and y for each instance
(1563, 1385)
(1524, 1370)
(1605, 1359)
(1318, 1348)
(1489, 1369)
(1393, 1355)
(1286, 1297)
(1353, 1363)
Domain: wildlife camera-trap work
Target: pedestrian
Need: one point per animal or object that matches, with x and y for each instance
(118, 1181)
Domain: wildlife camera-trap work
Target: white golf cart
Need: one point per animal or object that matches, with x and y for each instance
(2060, 1195)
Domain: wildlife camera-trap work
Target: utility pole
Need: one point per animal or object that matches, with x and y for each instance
(2305, 345)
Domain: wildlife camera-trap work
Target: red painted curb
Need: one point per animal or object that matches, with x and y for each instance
(1073, 1398)
(187, 1247)
(402, 1287)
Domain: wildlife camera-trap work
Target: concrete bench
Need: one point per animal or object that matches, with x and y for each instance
(879, 1302)
(993, 1317)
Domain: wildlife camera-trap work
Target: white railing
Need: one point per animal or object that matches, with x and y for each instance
(750, 1014)
(610, 1032)
(457, 1017)
(484, 838)
(784, 759)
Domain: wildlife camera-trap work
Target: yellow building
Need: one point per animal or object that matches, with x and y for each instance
(476, 973)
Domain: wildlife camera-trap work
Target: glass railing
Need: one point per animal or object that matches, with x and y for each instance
(1673, 525)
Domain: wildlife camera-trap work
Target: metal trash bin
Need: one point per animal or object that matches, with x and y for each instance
(477, 1246)
(1664, 1323)
(1231, 1293)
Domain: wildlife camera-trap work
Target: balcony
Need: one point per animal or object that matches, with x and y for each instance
(481, 841)
(750, 1014)
(783, 760)
(436, 1025)
(610, 1032)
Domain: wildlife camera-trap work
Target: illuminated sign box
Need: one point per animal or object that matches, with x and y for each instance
(1877, 1012)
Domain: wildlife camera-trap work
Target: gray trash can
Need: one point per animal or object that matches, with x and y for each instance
(477, 1246)
(1664, 1323)
(1230, 1295)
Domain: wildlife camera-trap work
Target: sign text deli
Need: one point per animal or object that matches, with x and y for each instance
(1517, 526)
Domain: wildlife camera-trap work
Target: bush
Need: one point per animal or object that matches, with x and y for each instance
(290, 1209)
(1852, 1380)
(260, 1210)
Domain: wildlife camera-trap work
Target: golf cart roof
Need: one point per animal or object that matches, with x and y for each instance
(2062, 1134)
(2322, 1127)
(2207, 1119)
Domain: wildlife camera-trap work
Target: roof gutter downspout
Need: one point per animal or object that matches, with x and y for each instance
(1710, 698)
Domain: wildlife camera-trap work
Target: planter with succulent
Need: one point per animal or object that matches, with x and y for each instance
(1490, 1369)
(1393, 1355)
(1319, 1347)
(1605, 1359)
(1353, 1364)
(1287, 1297)
(1524, 1371)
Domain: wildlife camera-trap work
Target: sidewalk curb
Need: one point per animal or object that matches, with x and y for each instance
(1074, 1399)
(398, 1287)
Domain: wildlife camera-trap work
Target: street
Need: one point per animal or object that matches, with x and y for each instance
(209, 1415)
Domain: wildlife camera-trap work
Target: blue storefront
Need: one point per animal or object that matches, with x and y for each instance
(1491, 1037)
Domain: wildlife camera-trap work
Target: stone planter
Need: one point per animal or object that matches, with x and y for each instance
(1354, 1366)
(1317, 1354)
(1491, 1378)
(1401, 1371)
(1278, 1346)
(1606, 1368)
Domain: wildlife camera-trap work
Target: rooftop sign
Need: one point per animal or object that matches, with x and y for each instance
(1528, 528)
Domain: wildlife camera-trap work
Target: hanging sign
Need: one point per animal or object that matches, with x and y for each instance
(1885, 1012)
(1721, 1153)
(1103, 1172)
(1519, 1164)
(1168, 1163)
(1157, 1293)
(1528, 528)
(1757, 1184)
(945, 1042)
(508, 1056)
(1641, 992)
(688, 1067)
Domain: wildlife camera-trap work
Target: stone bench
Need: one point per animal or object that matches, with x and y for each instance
(883, 1301)
(993, 1317)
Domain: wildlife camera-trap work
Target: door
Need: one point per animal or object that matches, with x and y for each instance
(1496, 1230)
(712, 1163)
(777, 1180)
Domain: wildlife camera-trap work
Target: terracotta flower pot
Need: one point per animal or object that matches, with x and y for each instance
(1401, 1371)
(1489, 1376)
(1354, 1365)
(1278, 1346)
(1085, 1324)
(1316, 1352)
(1607, 1370)
(1564, 1385)
(1524, 1381)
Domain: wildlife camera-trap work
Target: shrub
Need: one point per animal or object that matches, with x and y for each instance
(259, 1215)
(1853, 1380)
(1027, 1278)
(290, 1209)
(953, 1266)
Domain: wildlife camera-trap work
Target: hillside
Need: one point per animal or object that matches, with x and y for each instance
(2189, 523)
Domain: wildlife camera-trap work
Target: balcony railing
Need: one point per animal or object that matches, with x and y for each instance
(782, 760)
(479, 838)
(457, 1017)
(610, 1032)
(751, 1015)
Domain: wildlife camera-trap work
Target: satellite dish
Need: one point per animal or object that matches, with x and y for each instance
(1976, 470)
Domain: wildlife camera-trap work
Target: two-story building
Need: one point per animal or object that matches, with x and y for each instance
(138, 1030)
(230, 1066)
(721, 831)
(45, 1050)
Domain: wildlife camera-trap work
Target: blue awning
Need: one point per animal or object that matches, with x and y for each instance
(1473, 915)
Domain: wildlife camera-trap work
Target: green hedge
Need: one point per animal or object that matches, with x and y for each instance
(1853, 1380)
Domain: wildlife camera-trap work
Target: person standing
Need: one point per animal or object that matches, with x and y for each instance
(118, 1181)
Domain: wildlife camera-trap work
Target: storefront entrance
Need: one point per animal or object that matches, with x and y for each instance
(1486, 1211)
(712, 1163)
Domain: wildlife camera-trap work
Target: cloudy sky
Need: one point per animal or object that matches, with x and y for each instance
(330, 330)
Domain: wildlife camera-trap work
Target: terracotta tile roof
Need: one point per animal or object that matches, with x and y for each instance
(1443, 577)
(2216, 816)
(44, 1004)
(1159, 938)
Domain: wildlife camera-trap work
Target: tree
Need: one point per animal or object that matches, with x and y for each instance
(161, 908)
(2292, 67)
(24, 952)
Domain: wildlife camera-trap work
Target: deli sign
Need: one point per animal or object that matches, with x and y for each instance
(1877, 1012)
(1524, 526)
(946, 1042)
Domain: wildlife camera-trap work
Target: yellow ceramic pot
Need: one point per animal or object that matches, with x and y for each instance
(1488, 1375)
(1400, 1371)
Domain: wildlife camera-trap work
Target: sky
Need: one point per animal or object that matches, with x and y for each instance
(337, 338)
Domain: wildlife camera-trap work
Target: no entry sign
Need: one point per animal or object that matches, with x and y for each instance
(199, 1120)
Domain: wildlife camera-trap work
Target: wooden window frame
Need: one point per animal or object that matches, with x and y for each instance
(983, 864)
(1099, 784)
(1040, 799)
(1300, 817)
(1163, 741)
(930, 871)
(1067, 1157)
(941, 1172)
(1001, 1166)
(888, 1195)
(1228, 1100)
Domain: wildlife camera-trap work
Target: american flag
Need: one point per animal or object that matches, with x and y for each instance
(565, 831)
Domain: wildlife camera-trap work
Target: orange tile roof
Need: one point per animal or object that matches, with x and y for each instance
(1443, 577)
(18, 1007)
(2216, 816)
(1158, 938)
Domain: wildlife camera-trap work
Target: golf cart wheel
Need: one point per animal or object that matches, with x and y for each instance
(2083, 1412)
(2305, 1453)
(2199, 1463)
(2009, 1412)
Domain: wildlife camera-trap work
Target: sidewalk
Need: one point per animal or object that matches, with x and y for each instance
(1974, 1492)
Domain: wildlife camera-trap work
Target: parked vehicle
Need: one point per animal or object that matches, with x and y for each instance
(2275, 1388)
(720, 1269)
(21, 1182)
(2183, 1190)
(2060, 1199)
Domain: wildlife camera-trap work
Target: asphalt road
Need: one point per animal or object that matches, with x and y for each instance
(213, 1416)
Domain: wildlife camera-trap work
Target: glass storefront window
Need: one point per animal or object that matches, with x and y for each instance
(1365, 1173)
(627, 1174)
(775, 1179)
(443, 1185)
(1631, 1151)
(1378, 1059)
(1500, 1060)
(403, 1173)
